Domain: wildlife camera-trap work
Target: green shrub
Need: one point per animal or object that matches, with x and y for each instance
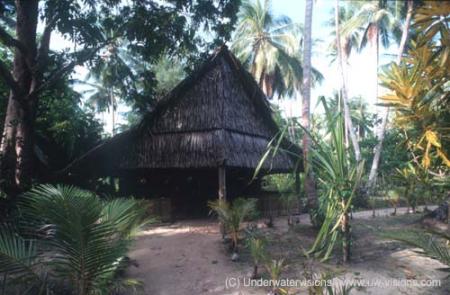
(68, 241)
(232, 216)
(257, 249)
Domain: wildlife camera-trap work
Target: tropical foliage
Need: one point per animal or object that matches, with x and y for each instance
(275, 268)
(408, 178)
(270, 47)
(378, 21)
(258, 253)
(419, 88)
(231, 216)
(432, 243)
(58, 239)
(339, 176)
(68, 241)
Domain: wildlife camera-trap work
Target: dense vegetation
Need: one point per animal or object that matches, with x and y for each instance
(60, 239)
(68, 241)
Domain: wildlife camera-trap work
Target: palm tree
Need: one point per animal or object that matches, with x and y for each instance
(169, 71)
(113, 76)
(232, 215)
(377, 151)
(271, 48)
(360, 114)
(102, 98)
(348, 122)
(379, 21)
(350, 39)
(69, 241)
(310, 188)
(258, 253)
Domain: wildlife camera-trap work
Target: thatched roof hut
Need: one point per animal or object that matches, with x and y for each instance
(218, 117)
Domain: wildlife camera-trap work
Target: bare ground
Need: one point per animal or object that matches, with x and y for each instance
(189, 257)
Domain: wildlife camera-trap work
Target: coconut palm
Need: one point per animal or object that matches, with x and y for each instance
(360, 115)
(348, 122)
(169, 71)
(270, 47)
(376, 21)
(310, 187)
(350, 38)
(380, 22)
(102, 98)
(112, 78)
(381, 133)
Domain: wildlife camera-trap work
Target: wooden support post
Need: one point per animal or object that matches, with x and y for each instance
(222, 184)
(297, 183)
(222, 194)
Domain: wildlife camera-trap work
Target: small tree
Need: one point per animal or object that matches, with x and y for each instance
(407, 176)
(232, 216)
(258, 253)
(275, 267)
(68, 241)
(340, 178)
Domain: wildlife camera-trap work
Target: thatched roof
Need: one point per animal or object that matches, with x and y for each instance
(216, 116)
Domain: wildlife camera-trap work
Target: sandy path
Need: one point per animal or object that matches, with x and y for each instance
(184, 258)
(188, 258)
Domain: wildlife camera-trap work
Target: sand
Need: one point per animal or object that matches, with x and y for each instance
(189, 257)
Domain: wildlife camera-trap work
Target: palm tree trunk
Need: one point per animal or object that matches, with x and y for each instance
(348, 122)
(377, 151)
(113, 110)
(310, 188)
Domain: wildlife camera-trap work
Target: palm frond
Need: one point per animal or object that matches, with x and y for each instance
(18, 258)
(429, 243)
(88, 239)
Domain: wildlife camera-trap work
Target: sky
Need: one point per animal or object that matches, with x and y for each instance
(361, 68)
